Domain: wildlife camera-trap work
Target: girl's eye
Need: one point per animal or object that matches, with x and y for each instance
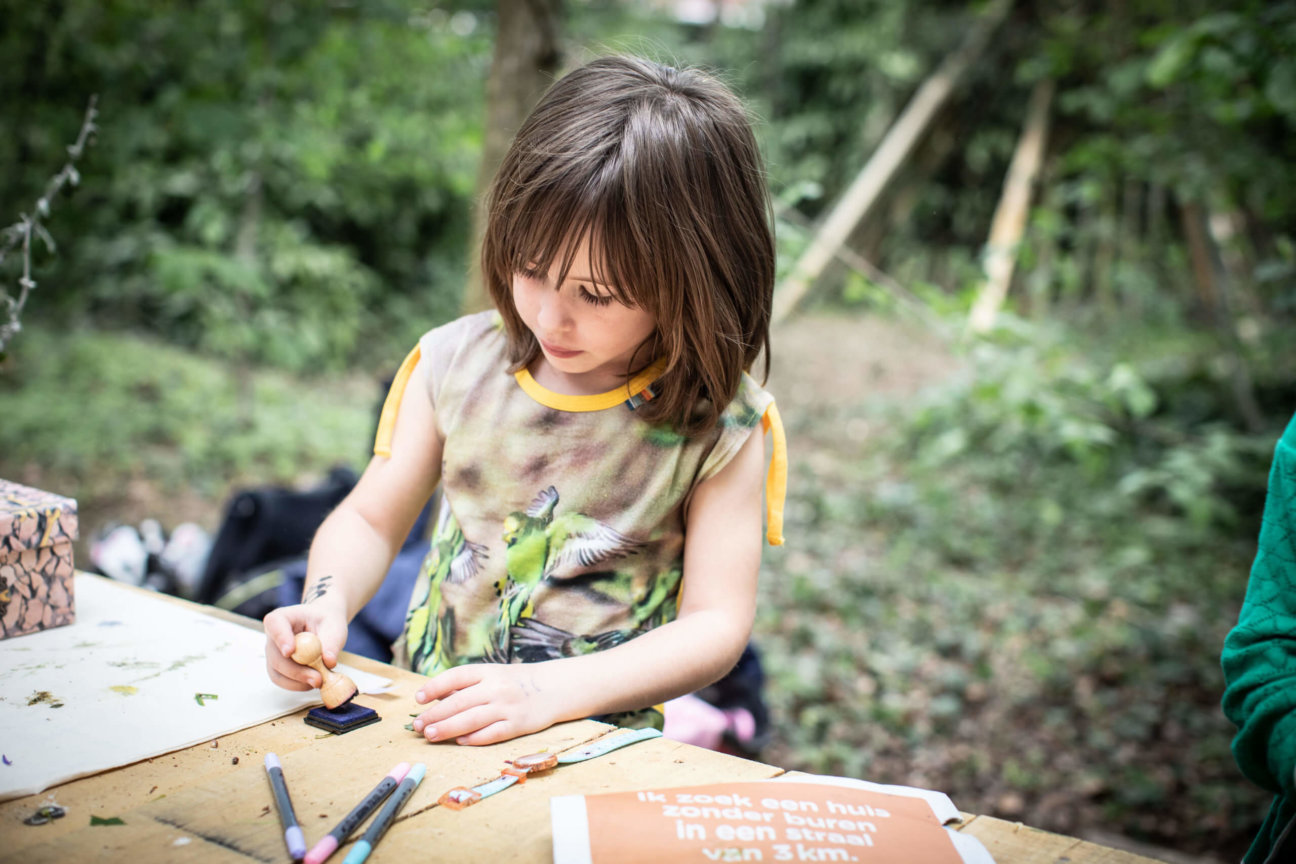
(596, 299)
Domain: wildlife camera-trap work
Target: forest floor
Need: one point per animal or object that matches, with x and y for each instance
(845, 386)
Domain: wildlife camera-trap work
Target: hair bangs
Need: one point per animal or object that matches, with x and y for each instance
(549, 222)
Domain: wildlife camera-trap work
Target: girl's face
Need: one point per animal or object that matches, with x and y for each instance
(586, 337)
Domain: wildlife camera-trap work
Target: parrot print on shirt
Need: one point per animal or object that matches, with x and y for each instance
(452, 558)
(541, 545)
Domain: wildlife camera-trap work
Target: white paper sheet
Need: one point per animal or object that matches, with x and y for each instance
(120, 685)
(940, 803)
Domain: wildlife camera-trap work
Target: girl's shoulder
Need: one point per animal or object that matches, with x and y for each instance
(748, 405)
(442, 345)
(741, 418)
(467, 347)
(452, 336)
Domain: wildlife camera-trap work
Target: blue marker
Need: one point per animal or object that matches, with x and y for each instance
(293, 836)
(386, 816)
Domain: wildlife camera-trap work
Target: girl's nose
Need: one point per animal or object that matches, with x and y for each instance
(554, 315)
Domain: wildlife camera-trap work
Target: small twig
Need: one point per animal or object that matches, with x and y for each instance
(20, 233)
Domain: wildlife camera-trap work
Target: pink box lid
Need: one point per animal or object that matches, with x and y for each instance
(32, 518)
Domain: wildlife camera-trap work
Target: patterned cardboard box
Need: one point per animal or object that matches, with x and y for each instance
(36, 533)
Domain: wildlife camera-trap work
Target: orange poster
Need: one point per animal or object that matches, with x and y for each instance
(808, 820)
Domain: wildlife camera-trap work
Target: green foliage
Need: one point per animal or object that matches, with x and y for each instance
(1038, 405)
(282, 185)
(100, 410)
(827, 77)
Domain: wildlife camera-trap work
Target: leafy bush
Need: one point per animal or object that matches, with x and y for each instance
(286, 185)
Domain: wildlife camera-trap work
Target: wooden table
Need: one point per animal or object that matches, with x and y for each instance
(212, 803)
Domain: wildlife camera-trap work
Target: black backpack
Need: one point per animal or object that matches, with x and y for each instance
(262, 529)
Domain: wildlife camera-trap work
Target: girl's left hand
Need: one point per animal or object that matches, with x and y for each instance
(485, 703)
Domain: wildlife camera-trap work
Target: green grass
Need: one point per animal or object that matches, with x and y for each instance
(92, 411)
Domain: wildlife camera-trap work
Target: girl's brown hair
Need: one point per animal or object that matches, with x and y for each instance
(660, 168)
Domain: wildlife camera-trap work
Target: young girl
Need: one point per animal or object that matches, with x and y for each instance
(596, 438)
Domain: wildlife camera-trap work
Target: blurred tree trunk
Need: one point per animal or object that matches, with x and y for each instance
(1040, 281)
(1216, 292)
(1193, 220)
(528, 54)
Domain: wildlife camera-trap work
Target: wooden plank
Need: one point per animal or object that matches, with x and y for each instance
(1015, 843)
(117, 792)
(232, 813)
(514, 825)
(141, 841)
(200, 805)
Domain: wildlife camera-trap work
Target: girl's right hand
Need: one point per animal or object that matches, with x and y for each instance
(281, 629)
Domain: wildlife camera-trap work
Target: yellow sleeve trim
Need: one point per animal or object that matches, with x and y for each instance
(387, 420)
(776, 479)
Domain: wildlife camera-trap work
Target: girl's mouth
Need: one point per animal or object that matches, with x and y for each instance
(555, 351)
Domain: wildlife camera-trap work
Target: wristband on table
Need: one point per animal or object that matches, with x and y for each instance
(463, 796)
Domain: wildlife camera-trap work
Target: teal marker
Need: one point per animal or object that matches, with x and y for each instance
(386, 816)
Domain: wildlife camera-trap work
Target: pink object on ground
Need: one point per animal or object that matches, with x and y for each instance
(698, 722)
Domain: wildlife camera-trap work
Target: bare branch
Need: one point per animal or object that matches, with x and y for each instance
(19, 234)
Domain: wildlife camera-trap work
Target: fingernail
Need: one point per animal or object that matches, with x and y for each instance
(419, 697)
(430, 733)
(418, 725)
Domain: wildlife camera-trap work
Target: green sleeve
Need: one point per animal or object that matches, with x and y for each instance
(1259, 657)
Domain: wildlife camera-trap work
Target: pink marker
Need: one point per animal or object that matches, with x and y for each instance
(335, 838)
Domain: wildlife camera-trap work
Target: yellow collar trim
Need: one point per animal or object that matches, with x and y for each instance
(593, 401)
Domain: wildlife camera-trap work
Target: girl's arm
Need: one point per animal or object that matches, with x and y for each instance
(355, 545)
(485, 703)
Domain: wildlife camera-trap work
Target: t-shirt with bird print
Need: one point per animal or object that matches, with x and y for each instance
(560, 527)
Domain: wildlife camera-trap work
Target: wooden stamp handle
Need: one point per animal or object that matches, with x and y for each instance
(336, 689)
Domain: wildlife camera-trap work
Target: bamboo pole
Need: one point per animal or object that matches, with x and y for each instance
(895, 148)
(1010, 216)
